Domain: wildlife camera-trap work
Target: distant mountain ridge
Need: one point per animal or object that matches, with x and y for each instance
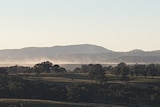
(70, 49)
(84, 53)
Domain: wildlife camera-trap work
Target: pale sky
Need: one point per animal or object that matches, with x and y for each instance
(118, 25)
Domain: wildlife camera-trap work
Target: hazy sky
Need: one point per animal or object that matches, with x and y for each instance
(119, 25)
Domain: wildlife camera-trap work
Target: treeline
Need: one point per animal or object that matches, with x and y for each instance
(118, 94)
(43, 67)
(122, 70)
(95, 71)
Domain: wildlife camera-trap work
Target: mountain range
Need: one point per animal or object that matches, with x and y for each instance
(84, 53)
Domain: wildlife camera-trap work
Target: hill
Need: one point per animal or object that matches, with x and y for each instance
(84, 53)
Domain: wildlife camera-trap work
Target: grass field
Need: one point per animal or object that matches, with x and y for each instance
(45, 103)
(84, 78)
(63, 77)
(72, 78)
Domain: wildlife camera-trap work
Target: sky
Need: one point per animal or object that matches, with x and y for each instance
(118, 25)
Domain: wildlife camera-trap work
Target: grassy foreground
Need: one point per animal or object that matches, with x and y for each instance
(44, 103)
(36, 103)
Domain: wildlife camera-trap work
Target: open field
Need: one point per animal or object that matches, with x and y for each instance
(64, 77)
(53, 85)
(45, 103)
(84, 78)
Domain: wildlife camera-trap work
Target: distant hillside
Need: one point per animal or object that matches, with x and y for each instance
(72, 49)
(84, 53)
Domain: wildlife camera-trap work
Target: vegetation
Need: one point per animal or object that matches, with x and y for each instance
(39, 103)
(127, 85)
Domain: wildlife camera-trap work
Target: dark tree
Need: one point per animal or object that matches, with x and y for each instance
(3, 71)
(137, 69)
(140, 69)
(85, 68)
(123, 69)
(116, 71)
(55, 68)
(109, 68)
(78, 70)
(46, 66)
(97, 72)
(43, 67)
(38, 69)
(61, 69)
(152, 69)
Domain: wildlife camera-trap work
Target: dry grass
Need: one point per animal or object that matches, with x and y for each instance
(45, 103)
(64, 77)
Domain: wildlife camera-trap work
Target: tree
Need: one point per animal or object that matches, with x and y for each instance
(97, 72)
(3, 71)
(78, 70)
(42, 67)
(108, 69)
(55, 68)
(142, 70)
(152, 69)
(137, 69)
(38, 69)
(131, 69)
(47, 66)
(78, 93)
(61, 69)
(158, 67)
(85, 68)
(116, 71)
(123, 69)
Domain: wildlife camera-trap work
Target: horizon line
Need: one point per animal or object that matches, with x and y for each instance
(77, 45)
